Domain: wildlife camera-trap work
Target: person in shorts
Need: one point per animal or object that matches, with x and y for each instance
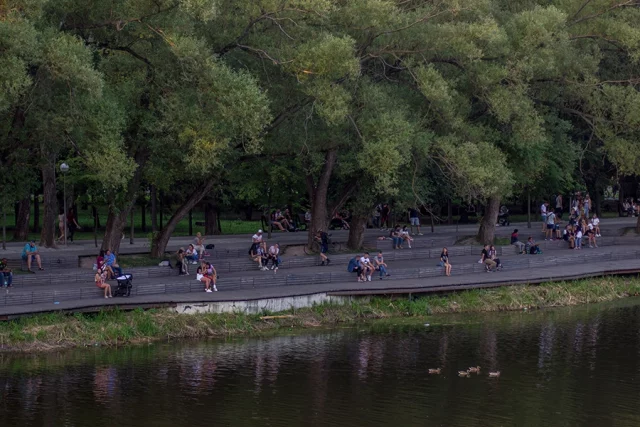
(543, 215)
(551, 226)
(414, 220)
(323, 239)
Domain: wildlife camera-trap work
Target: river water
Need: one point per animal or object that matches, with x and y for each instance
(561, 367)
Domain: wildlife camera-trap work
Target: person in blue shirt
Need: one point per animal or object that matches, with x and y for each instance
(29, 253)
(110, 261)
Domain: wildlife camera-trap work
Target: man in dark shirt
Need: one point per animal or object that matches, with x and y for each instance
(486, 259)
(5, 273)
(323, 239)
(414, 219)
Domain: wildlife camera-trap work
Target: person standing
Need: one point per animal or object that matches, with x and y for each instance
(586, 205)
(323, 240)
(559, 205)
(384, 216)
(543, 215)
(551, 226)
(414, 219)
(72, 224)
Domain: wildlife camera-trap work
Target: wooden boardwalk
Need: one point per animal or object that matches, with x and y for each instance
(413, 271)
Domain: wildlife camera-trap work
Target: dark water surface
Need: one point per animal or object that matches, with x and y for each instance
(564, 367)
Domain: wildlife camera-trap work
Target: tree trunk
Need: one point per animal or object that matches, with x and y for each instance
(49, 220)
(36, 212)
(116, 223)
(356, 232)
(143, 219)
(154, 210)
(318, 196)
(161, 239)
(191, 222)
(211, 221)
(449, 212)
(94, 211)
(21, 232)
(487, 230)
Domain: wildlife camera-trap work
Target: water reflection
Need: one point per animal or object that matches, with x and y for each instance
(562, 367)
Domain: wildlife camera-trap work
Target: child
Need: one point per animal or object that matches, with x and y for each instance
(579, 239)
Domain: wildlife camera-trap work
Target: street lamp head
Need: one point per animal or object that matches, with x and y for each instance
(64, 168)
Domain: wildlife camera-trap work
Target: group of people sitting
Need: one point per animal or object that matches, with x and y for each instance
(207, 274)
(259, 253)
(630, 208)
(283, 221)
(107, 268)
(400, 236)
(364, 267)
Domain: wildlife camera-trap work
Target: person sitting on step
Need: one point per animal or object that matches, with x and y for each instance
(181, 262)
(532, 247)
(354, 267)
(198, 245)
(30, 253)
(274, 256)
(6, 275)
(517, 243)
(100, 279)
(381, 265)
(493, 253)
(404, 234)
(485, 258)
(368, 266)
(110, 261)
(191, 255)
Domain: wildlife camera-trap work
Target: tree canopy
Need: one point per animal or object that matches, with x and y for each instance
(349, 102)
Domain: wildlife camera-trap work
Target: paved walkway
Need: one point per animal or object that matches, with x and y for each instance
(416, 274)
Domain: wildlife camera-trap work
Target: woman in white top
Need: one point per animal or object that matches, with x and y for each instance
(61, 227)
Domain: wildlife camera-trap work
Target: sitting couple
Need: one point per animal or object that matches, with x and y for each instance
(108, 261)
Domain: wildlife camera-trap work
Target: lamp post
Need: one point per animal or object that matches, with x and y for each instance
(64, 168)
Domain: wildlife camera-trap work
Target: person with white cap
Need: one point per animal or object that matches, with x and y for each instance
(257, 238)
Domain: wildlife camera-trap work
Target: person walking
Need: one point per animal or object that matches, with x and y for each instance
(323, 239)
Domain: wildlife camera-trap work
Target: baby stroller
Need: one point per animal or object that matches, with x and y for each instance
(503, 216)
(124, 286)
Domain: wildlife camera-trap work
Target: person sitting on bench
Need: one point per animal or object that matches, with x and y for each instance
(29, 253)
(110, 261)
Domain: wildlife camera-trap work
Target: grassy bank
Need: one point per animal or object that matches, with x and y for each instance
(115, 327)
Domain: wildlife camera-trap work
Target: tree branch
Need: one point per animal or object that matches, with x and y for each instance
(628, 3)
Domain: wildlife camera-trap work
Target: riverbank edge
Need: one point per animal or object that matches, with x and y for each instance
(113, 327)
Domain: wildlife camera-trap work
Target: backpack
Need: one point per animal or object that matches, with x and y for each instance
(210, 246)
